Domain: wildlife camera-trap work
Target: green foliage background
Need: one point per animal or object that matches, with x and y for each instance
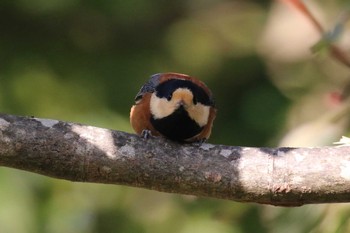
(84, 61)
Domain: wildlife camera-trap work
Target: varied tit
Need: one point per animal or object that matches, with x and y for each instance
(176, 106)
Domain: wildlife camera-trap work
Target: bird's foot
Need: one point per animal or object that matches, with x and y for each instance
(146, 133)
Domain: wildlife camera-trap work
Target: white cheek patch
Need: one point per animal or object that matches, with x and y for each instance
(199, 113)
(161, 107)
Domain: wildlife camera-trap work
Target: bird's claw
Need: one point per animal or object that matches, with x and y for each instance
(199, 142)
(146, 133)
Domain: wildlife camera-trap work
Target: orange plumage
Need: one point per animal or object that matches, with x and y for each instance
(175, 106)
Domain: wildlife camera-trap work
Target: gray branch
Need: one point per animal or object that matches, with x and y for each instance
(75, 152)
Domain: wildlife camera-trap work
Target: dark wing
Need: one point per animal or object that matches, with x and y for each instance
(148, 87)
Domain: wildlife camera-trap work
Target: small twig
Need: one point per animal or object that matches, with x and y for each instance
(335, 51)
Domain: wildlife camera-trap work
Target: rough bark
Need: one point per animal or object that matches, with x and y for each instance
(75, 152)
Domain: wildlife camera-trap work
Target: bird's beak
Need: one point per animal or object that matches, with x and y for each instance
(181, 104)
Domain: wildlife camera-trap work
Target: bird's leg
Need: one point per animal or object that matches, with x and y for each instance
(146, 133)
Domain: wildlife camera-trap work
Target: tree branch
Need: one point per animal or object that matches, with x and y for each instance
(75, 152)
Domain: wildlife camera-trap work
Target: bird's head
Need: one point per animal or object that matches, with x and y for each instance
(176, 95)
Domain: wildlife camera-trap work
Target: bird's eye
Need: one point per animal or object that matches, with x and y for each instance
(138, 98)
(169, 97)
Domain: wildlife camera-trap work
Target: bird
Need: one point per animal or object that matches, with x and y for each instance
(175, 106)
